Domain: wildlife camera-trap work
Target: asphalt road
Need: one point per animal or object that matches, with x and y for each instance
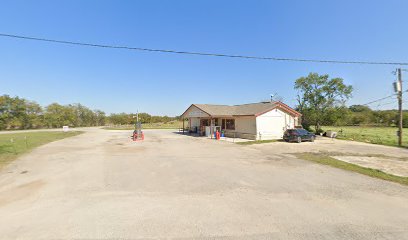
(101, 185)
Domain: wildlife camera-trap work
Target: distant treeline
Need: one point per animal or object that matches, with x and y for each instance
(360, 115)
(20, 113)
(130, 118)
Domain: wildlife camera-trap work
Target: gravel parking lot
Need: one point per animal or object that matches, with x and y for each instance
(101, 185)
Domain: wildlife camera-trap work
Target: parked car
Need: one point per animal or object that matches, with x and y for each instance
(298, 135)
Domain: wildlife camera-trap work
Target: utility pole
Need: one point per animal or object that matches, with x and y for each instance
(399, 93)
(137, 118)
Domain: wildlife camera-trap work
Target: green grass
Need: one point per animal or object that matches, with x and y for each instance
(323, 158)
(12, 145)
(375, 135)
(168, 125)
(256, 142)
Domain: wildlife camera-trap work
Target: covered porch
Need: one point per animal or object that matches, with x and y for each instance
(198, 122)
(208, 125)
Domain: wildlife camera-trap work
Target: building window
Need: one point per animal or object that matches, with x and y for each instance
(204, 122)
(229, 124)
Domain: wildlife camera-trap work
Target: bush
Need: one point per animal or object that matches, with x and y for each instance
(318, 131)
(307, 127)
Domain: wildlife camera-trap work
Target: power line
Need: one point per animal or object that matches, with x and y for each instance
(378, 100)
(199, 53)
(380, 105)
(381, 99)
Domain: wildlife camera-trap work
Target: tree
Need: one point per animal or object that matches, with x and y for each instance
(144, 117)
(337, 116)
(361, 115)
(56, 116)
(120, 119)
(100, 117)
(6, 113)
(33, 115)
(19, 113)
(359, 108)
(317, 94)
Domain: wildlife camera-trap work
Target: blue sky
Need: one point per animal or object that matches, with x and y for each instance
(158, 83)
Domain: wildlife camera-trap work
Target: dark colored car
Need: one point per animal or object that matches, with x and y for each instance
(298, 135)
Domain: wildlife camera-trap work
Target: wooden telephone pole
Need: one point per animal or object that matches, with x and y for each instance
(398, 89)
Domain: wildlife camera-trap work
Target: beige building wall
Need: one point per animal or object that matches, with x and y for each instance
(195, 122)
(297, 121)
(272, 125)
(194, 111)
(245, 127)
(194, 114)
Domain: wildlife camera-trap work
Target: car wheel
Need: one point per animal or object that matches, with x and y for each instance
(299, 140)
(312, 139)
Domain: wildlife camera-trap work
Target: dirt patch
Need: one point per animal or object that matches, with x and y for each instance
(369, 155)
(397, 166)
(20, 192)
(388, 165)
(367, 168)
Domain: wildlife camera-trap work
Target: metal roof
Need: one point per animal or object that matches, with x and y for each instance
(251, 109)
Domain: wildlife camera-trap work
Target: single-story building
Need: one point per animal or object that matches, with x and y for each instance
(258, 121)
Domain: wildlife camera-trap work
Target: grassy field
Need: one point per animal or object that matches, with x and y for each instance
(14, 144)
(375, 135)
(323, 158)
(169, 125)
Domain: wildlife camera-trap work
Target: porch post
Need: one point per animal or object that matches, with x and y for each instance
(211, 129)
(183, 119)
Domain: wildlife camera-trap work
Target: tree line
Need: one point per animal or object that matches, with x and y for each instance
(322, 101)
(361, 115)
(129, 118)
(20, 113)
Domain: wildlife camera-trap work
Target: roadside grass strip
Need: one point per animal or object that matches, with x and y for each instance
(323, 158)
(12, 145)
